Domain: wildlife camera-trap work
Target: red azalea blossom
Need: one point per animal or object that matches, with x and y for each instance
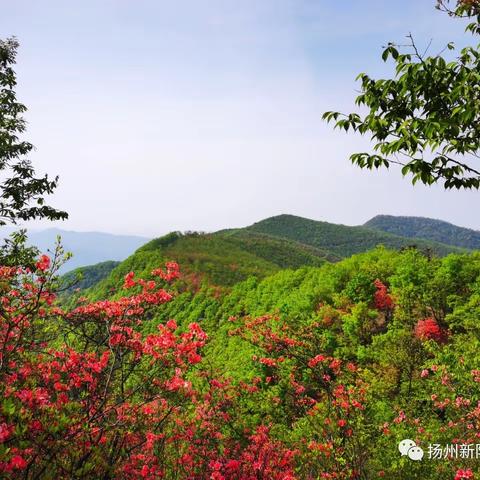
(129, 281)
(316, 360)
(428, 329)
(382, 300)
(17, 462)
(171, 324)
(172, 272)
(43, 263)
(464, 474)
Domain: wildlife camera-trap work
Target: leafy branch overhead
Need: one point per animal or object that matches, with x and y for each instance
(427, 117)
(22, 192)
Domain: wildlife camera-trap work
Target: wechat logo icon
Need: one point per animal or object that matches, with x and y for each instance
(410, 449)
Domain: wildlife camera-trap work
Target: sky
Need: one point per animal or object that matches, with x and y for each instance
(206, 114)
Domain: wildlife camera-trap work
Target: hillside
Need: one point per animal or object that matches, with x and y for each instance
(217, 259)
(313, 294)
(85, 277)
(338, 240)
(283, 252)
(227, 257)
(428, 229)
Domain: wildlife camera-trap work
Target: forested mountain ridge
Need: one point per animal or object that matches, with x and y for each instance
(227, 257)
(277, 248)
(217, 259)
(428, 229)
(339, 240)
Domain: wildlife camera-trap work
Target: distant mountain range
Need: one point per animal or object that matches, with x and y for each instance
(428, 229)
(87, 247)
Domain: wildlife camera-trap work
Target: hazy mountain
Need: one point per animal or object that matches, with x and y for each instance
(427, 228)
(88, 248)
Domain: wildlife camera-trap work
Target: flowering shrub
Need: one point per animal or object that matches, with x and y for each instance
(464, 474)
(104, 388)
(382, 299)
(321, 397)
(428, 329)
(87, 395)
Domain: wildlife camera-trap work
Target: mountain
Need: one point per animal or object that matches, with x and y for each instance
(428, 229)
(87, 247)
(283, 241)
(338, 240)
(227, 257)
(283, 252)
(220, 259)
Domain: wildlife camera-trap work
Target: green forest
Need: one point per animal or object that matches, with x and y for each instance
(404, 320)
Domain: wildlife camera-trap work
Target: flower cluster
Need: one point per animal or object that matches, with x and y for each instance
(86, 393)
(428, 329)
(382, 299)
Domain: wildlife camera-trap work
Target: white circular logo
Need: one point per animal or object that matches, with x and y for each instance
(410, 449)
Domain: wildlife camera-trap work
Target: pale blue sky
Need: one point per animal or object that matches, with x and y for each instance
(181, 115)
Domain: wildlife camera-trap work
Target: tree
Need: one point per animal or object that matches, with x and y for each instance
(22, 192)
(427, 117)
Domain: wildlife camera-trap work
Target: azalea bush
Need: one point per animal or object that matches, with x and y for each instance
(85, 394)
(321, 398)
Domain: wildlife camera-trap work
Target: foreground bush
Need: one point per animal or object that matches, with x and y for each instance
(86, 395)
